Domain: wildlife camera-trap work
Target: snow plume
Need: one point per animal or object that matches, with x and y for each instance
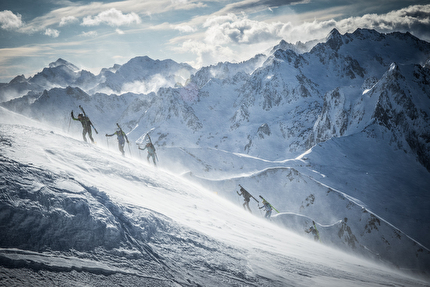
(10, 94)
(153, 84)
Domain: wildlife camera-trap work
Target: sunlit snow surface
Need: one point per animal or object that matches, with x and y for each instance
(77, 214)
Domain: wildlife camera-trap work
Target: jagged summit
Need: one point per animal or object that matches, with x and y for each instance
(61, 62)
(334, 39)
(334, 33)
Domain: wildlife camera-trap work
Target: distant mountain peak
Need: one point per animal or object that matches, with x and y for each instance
(334, 39)
(61, 62)
(334, 33)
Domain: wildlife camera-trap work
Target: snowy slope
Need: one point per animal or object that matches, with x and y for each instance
(341, 130)
(77, 213)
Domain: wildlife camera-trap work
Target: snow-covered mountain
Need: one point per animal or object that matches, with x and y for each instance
(338, 133)
(74, 213)
(140, 74)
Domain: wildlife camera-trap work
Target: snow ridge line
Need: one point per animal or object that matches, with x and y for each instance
(352, 199)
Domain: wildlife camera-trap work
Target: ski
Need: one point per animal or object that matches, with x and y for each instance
(82, 109)
(269, 204)
(156, 156)
(140, 140)
(249, 194)
(119, 127)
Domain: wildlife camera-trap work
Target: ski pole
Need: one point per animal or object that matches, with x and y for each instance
(70, 120)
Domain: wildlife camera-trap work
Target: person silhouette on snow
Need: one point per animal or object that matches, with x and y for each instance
(268, 209)
(246, 196)
(86, 125)
(151, 151)
(313, 229)
(121, 137)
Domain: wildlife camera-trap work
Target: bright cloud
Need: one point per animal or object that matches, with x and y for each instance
(240, 29)
(68, 20)
(413, 18)
(112, 17)
(184, 28)
(52, 33)
(10, 21)
(89, 34)
(234, 37)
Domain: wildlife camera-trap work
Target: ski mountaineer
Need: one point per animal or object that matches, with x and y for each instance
(314, 231)
(121, 137)
(246, 196)
(151, 151)
(86, 125)
(266, 207)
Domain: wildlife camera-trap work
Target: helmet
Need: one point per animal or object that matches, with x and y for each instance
(80, 115)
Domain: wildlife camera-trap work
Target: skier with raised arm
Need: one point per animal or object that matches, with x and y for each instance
(151, 151)
(268, 208)
(86, 125)
(121, 137)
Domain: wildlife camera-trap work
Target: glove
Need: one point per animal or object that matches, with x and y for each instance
(106, 134)
(72, 114)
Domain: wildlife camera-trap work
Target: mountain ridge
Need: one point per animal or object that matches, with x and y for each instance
(283, 106)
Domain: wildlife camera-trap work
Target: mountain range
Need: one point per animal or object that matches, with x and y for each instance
(336, 131)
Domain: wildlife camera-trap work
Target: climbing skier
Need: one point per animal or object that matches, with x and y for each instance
(86, 125)
(246, 196)
(266, 207)
(121, 137)
(151, 151)
(313, 229)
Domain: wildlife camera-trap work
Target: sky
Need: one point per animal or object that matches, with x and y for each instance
(96, 35)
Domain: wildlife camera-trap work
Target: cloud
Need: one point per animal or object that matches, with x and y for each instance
(240, 29)
(111, 17)
(119, 31)
(252, 6)
(207, 53)
(52, 33)
(415, 19)
(89, 34)
(10, 21)
(184, 28)
(68, 20)
(235, 38)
